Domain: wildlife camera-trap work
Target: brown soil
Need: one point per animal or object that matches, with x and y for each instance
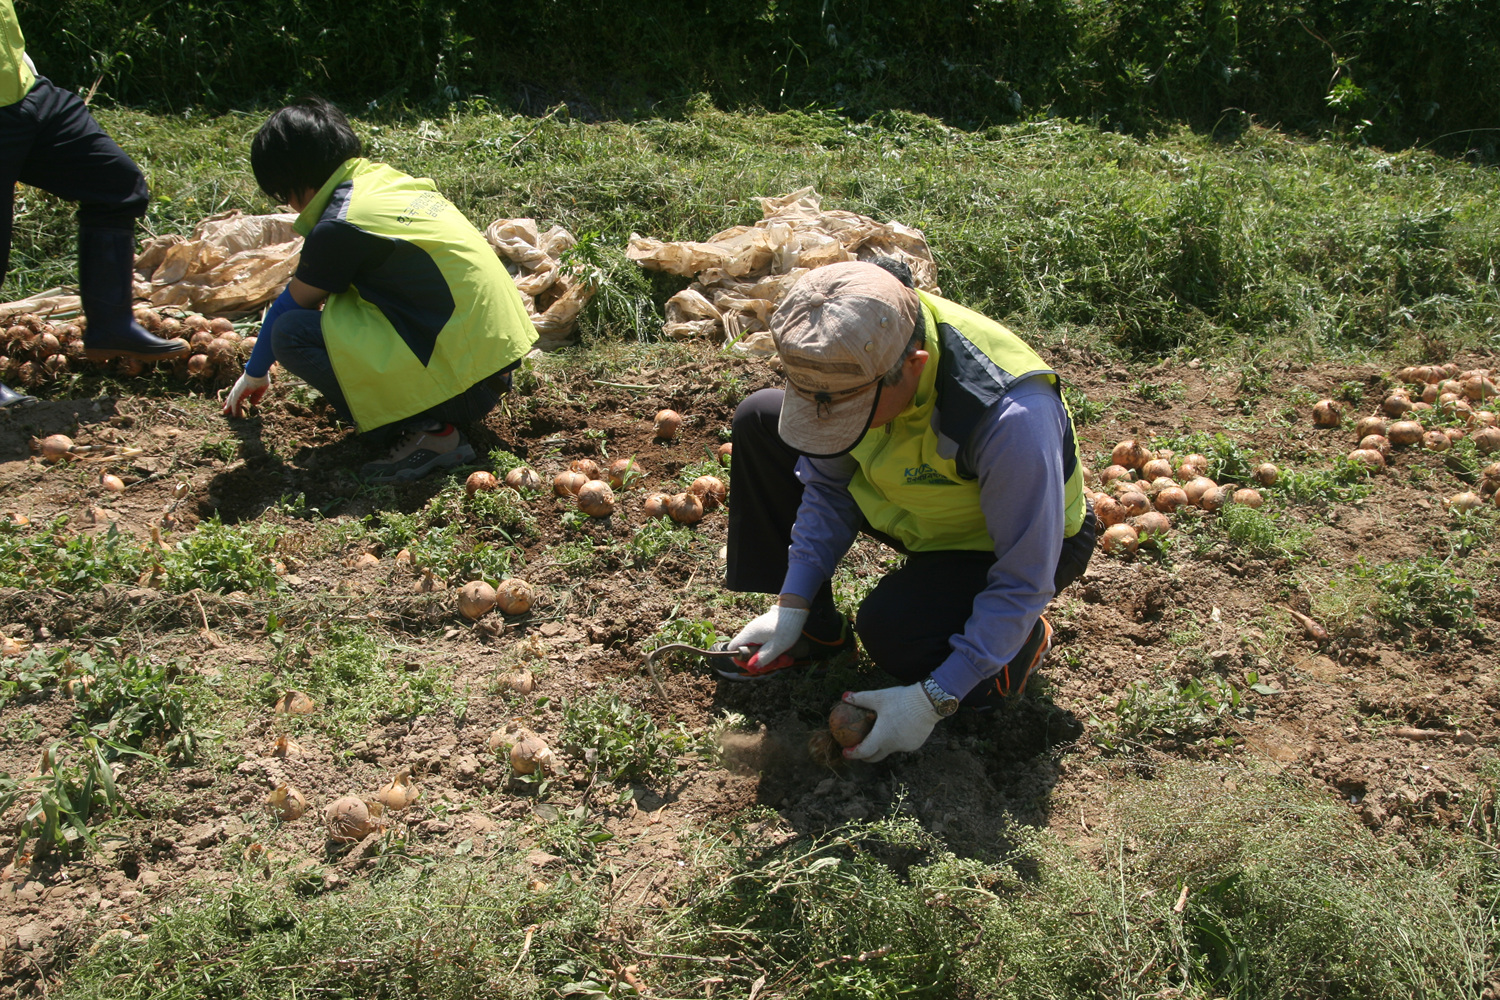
(1337, 722)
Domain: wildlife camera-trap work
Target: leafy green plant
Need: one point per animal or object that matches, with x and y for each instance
(1262, 532)
(36, 673)
(125, 702)
(655, 538)
(69, 796)
(1346, 482)
(54, 556)
(1227, 460)
(627, 743)
(1085, 410)
(222, 557)
(1193, 712)
(1423, 593)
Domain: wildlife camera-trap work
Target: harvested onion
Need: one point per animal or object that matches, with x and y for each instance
(1487, 440)
(1464, 502)
(349, 819)
(1247, 497)
(1157, 468)
(1121, 538)
(587, 466)
(399, 792)
(294, 703)
(1212, 499)
(1396, 404)
(1404, 432)
(685, 508)
(475, 599)
(1108, 511)
(514, 596)
(1195, 487)
(1327, 413)
(480, 482)
(523, 477)
(666, 424)
(596, 499)
(568, 482)
(1151, 524)
(1372, 460)
(1131, 454)
(1114, 473)
(710, 489)
(1266, 474)
(530, 754)
(1436, 441)
(287, 803)
(724, 452)
(1376, 442)
(1134, 502)
(55, 447)
(519, 681)
(1369, 425)
(624, 472)
(850, 724)
(655, 505)
(111, 483)
(1172, 499)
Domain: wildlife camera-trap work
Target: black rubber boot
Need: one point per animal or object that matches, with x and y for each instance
(10, 398)
(106, 261)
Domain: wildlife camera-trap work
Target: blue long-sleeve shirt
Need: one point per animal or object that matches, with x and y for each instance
(1017, 451)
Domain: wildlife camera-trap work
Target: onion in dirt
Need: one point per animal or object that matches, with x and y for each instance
(1372, 460)
(655, 505)
(1464, 502)
(1247, 497)
(531, 754)
(1161, 483)
(587, 466)
(287, 803)
(1130, 453)
(1404, 432)
(1266, 474)
(1396, 404)
(1376, 442)
(1212, 499)
(1121, 538)
(1487, 440)
(666, 424)
(294, 703)
(1157, 468)
(519, 681)
(1151, 525)
(1489, 479)
(111, 484)
(399, 792)
(624, 472)
(54, 447)
(1327, 413)
(724, 452)
(523, 477)
(349, 819)
(1114, 473)
(685, 508)
(711, 490)
(568, 482)
(1435, 441)
(480, 482)
(1369, 425)
(596, 499)
(1170, 500)
(514, 596)
(1194, 488)
(475, 599)
(848, 725)
(1108, 511)
(1134, 503)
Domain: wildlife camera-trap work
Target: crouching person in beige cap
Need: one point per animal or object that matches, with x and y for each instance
(938, 432)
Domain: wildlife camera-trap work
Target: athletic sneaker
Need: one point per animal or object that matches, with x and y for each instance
(1012, 679)
(823, 641)
(418, 452)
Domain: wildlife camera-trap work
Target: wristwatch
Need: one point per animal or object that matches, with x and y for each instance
(943, 703)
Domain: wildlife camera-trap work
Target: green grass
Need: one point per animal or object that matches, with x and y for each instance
(1173, 241)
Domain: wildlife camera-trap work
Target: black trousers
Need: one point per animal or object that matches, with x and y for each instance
(49, 140)
(906, 622)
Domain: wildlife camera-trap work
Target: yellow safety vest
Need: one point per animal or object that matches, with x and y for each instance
(903, 486)
(387, 377)
(16, 77)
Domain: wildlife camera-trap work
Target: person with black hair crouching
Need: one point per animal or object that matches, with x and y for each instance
(420, 324)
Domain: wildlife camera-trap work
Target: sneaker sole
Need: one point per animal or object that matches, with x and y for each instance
(458, 456)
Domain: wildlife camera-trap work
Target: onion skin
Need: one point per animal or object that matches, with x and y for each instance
(1376, 442)
(1436, 441)
(1396, 404)
(1464, 502)
(399, 792)
(519, 681)
(55, 448)
(294, 703)
(514, 596)
(348, 820)
(655, 505)
(624, 472)
(1212, 499)
(286, 803)
(684, 508)
(1151, 525)
(1157, 469)
(530, 754)
(111, 484)
(1404, 433)
(1369, 425)
(480, 482)
(1171, 500)
(711, 490)
(1161, 483)
(1372, 460)
(1114, 473)
(568, 482)
(587, 466)
(1130, 453)
(475, 599)
(1266, 474)
(523, 477)
(1327, 413)
(1195, 487)
(1134, 503)
(1248, 498)
(1487, 440)
(596, 499)
(850, 724)
(666, 424)
(1109, 512)
(1120, 538)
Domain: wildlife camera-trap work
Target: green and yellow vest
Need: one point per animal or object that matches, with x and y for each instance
(16, 77)
(903, 486)
(388, 374)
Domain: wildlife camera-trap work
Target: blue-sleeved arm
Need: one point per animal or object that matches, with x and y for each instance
(264, 354)
(827, 522)
(1017, 451)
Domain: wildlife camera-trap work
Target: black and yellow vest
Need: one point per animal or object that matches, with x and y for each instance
(386, 373)
(16, 77)
(909, 491)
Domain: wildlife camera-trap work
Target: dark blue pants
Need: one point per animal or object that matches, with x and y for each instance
(49, 140)
(301, 350)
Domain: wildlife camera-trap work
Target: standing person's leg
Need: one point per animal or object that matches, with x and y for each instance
(16, 133)
(73, 158)
(766, 495)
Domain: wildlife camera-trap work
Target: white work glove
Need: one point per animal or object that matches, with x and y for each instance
(773, 632)
(247, 390)
(904, 718)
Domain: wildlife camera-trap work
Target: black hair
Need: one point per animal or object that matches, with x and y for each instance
(897, 268)
(300, 146)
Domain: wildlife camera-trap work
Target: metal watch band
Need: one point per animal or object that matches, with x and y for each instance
(943, 703)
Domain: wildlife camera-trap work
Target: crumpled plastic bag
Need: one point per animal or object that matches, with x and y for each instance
(743, 272)
(553, 297)
(232, 264)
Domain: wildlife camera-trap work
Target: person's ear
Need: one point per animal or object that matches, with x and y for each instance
(918, 361)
